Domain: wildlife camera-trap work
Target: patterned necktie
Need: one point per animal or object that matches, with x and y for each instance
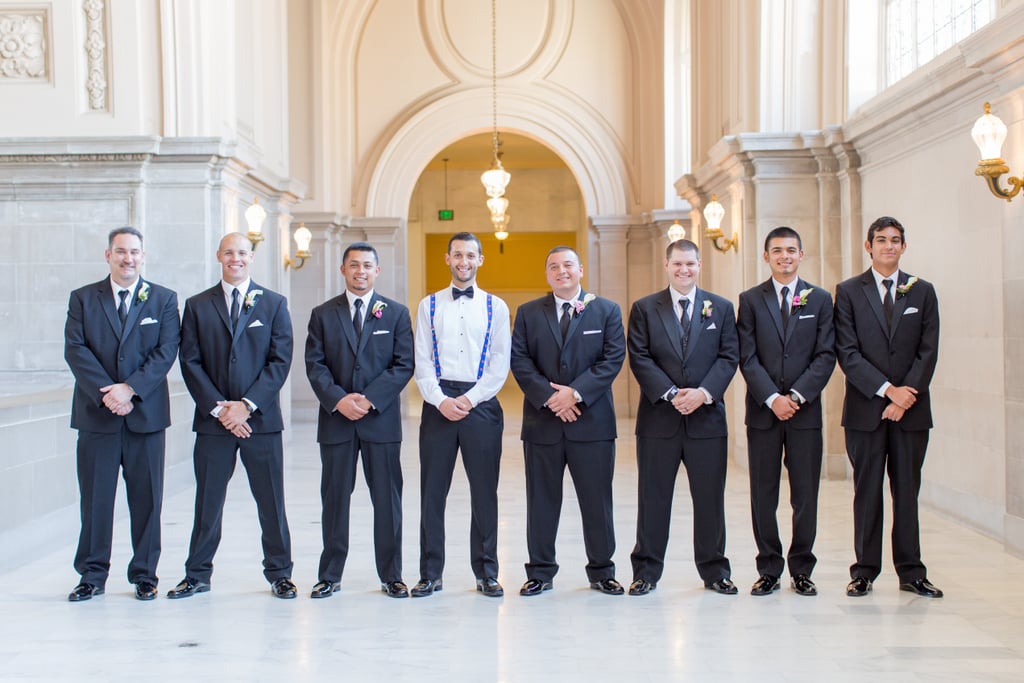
(122, 309)
(234, 308)
(563, 324)
(357, 319)
(784, 308)
(456, 293)
(887, 301)
(684, 320)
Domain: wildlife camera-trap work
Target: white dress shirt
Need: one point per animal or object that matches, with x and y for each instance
(460, 327)
(692, 298)
(129, 299)
(242, 288)
(789, 302)
(895, 277)
(572, 304)
(352, 304)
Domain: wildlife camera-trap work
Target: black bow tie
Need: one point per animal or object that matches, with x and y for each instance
(456, 293)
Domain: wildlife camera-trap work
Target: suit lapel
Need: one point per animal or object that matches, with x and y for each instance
(217, 301)
(106, 297)
(771, 302)
(899, 304)
(134, 311)
(874, 300)
(369, 323)
(574, 321)
(344, 311)
(798, 286)
(670, 321)
(551, 316)
(696, 322)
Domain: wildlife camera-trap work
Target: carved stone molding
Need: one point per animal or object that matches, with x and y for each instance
(68, 158)
(23, 45)
(96, 53)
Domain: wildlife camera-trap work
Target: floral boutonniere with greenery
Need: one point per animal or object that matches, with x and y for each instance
(581, 306)
(143, 293)
(800, 300)
(708, 310)
(252, 297)
(378, 309)
(904, 289)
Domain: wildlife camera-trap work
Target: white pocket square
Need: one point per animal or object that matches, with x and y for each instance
(376, 332)
(910, 310)
(149, 321)
(805, 317)
(255, 323)
(712, 326)
(591, 331)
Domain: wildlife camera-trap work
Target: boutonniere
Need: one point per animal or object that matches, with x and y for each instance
(252, 297)
(904, 289)
(800, 300)
(378, 309)
(143, 293)
(707, 311)
(580, 306)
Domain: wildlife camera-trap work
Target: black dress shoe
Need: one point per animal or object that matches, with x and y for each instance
(535, 587)
(490, 587)
(922, 587)
(803, 585)
(766, 584)
(84, 591)
(144, 590)
(723, 586)
(607, 586)
(187, 588)
(641, 587)
(395, 589)
(859, 587)
(426, 587)
(324, 589)
(283, 588)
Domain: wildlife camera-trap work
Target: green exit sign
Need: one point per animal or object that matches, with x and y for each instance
(446, 215)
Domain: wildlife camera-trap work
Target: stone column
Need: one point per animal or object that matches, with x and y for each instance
(605, 266)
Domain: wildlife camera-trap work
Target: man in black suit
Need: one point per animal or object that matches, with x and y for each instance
(683, 351)
(567, 349)
(120, 341)
(786, 357)
(887, 341)
(462, 359)
(359, 357)
(236, 350)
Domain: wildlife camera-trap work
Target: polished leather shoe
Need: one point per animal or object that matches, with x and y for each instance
(535, 587)
(922, 587)
(395, 589)
(324, 589)
(723, 586)
(766, 584)
(426, 587)
(144, 590)
(490, 587)
(803, 585)
(859, 587)
(641, 587)
(283, 588)
(187, 588)
(607, 586)
(84, 591)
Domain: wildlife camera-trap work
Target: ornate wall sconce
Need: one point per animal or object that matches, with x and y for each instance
(989, 132)
(254, 217)
(302, 239)
(676, 232)
(713, 214)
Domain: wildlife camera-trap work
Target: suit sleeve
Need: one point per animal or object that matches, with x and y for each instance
(535, 385)
(923, 368)
(813, 379)
(278, 362)
(204, 392)
(596, 380)
(151, 374)
(860, 373)
(654, 381)
(85, 366)
(717, 379)
(385, 388)
(759, 382)
(324, 385)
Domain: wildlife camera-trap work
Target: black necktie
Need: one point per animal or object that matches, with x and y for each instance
(456, 293)
(122, 309)
(887, 301)
(563, 324)
(684, 320)
(784, 308)
(357, 319)
(234, 308)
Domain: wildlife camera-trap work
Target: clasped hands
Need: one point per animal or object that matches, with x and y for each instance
(686, 401)
(902, 398)
(234, 416)
(563, 403)
(118, 398)
(353, 406)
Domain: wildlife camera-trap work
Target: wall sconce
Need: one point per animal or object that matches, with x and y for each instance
(713, 214)
(676, 232)
(302, 239)
(254, 217)
(989, 132)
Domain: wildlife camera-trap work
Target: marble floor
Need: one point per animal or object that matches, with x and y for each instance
(680, 632)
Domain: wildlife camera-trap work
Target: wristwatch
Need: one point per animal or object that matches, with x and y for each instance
(671, 393)
(795, 398)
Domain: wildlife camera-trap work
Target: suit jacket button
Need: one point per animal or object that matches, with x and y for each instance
(233, 359)
(120, 358)
(358, 368)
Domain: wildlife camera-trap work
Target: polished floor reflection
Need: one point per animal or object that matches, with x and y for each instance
(238, 631)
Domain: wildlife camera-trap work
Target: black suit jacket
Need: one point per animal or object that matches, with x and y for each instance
(588, 360)
(771, 361)
(378, 365)
(99, 355)
(253, 362)
(656, 359)
(870, 354)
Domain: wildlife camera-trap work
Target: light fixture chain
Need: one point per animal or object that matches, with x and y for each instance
(494, 76)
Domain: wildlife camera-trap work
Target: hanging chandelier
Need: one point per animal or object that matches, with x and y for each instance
(496, 178)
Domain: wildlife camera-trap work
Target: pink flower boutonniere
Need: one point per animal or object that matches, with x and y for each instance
(904, 289)
(143, 293)
(708, 310)
(580, 306)
(378, 309)
(800, 300)
(252, 297)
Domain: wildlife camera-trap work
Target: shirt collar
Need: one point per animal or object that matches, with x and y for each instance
(575, 297)
(243, 287)
(352, 298)
(117, 288)
(895, 277)
(792, 287)
(677, 295)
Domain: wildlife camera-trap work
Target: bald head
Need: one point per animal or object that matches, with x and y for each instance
(235, 255)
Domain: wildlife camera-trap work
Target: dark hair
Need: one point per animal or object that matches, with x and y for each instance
(783, 232)
(883, 223)
(559, 249)
(126, 230)
(361, 246)
(682, 245)
(465, 237)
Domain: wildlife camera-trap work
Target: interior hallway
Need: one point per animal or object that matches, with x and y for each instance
(238, 631)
